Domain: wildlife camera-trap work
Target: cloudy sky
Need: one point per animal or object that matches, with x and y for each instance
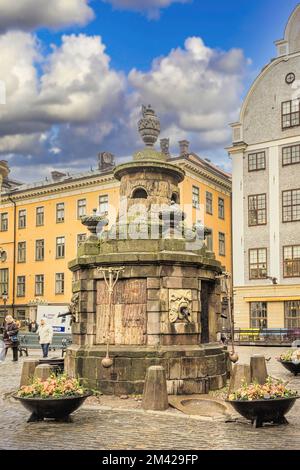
(76, 73)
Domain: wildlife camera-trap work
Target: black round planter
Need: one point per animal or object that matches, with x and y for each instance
(291, 367)
(264, 411)
(58, 409)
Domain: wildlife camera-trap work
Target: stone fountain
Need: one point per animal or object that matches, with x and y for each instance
(164, 308)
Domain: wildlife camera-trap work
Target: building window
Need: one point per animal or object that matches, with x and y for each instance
(22, 218)
(60, 247)
(21, 252)
(59, 283)
(39, 284)
(81, 208)
(258, 264)
(258, 315)
(39, 250)
(20, 286)
(257, 161)
(221, 244)
(209, 203)
(209, 241)
(291, 205)
(4, 222)
(290, 114)
(257, 210)
(3, 281)
(291, 261)
(21, 315)
(39, 216)
(196, 197)
(103, 204)
(291, 155)
(81, 237)
(221, 208)
(292, 314)
(60, 212)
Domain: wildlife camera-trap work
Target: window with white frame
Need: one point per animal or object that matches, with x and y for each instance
(196, 197)
(39, 284)
(59, 283)
(60, 212)
(81, 208)
(20, 286)
(4, 222)
(103, 204)
(60, 247)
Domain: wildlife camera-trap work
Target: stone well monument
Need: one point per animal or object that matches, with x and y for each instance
(143, 294)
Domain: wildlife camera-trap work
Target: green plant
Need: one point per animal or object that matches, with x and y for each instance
(269, 391)
(54, 387)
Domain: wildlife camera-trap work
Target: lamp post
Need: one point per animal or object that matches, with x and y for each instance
(4, 298)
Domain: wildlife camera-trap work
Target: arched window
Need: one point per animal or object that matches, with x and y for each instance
(175, 198)
(139, 193)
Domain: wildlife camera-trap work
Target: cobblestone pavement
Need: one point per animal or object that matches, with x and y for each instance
(109, 429)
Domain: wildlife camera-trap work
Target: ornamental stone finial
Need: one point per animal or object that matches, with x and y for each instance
(149, 126)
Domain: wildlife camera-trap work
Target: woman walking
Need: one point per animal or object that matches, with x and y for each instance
(10, 336)
(45, 333)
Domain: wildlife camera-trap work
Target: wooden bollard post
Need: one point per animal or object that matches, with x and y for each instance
(258, 369)
(155, 395)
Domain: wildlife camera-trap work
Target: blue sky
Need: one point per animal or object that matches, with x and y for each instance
(84, 95)
(133, 40)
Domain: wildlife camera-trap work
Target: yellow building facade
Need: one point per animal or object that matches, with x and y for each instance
(40, 227)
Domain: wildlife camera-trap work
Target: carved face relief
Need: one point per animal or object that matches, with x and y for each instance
(180, 303)
(73, 307)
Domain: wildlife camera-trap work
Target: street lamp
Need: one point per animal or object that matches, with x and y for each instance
(4, 298)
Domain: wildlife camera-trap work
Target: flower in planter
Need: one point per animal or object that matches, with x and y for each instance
(291, 355)
(271, 390)
(54, 387)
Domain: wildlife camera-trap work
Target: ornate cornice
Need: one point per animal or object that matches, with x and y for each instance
(206, 174)
(57, 187)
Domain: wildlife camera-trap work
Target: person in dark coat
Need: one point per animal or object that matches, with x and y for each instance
(33, 326)
(10, 336)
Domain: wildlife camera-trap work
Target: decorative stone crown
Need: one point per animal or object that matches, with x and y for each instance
(149, 126)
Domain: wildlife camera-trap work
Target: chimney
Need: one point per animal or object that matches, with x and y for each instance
(106, 161)
(4, 171)
(184, 147)
(57, 175)
(165, 147)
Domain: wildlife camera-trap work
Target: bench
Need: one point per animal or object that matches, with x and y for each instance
(31, 341)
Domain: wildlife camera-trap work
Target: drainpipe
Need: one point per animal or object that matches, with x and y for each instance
(14, 255)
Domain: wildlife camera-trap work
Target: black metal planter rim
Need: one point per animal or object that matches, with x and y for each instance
(264, 411)
(58, 408)
(290, 366)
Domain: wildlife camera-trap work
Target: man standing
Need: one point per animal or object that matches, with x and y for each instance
(45, 333)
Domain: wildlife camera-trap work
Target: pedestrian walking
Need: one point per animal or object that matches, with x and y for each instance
(45, 333)
(33, 326)
(10, 336)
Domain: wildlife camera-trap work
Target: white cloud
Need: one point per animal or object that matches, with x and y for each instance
(30, 14)
(195, 89)
(150, 7)
(75, 92)
(65, 106)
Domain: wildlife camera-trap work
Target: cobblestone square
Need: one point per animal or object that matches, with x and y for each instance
(106, 427)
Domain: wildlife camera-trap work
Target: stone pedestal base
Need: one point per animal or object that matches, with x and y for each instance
(189, 369)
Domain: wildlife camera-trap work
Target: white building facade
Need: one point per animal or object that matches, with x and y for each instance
(266, 193)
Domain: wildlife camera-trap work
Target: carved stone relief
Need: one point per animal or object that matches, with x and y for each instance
(180, 305)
